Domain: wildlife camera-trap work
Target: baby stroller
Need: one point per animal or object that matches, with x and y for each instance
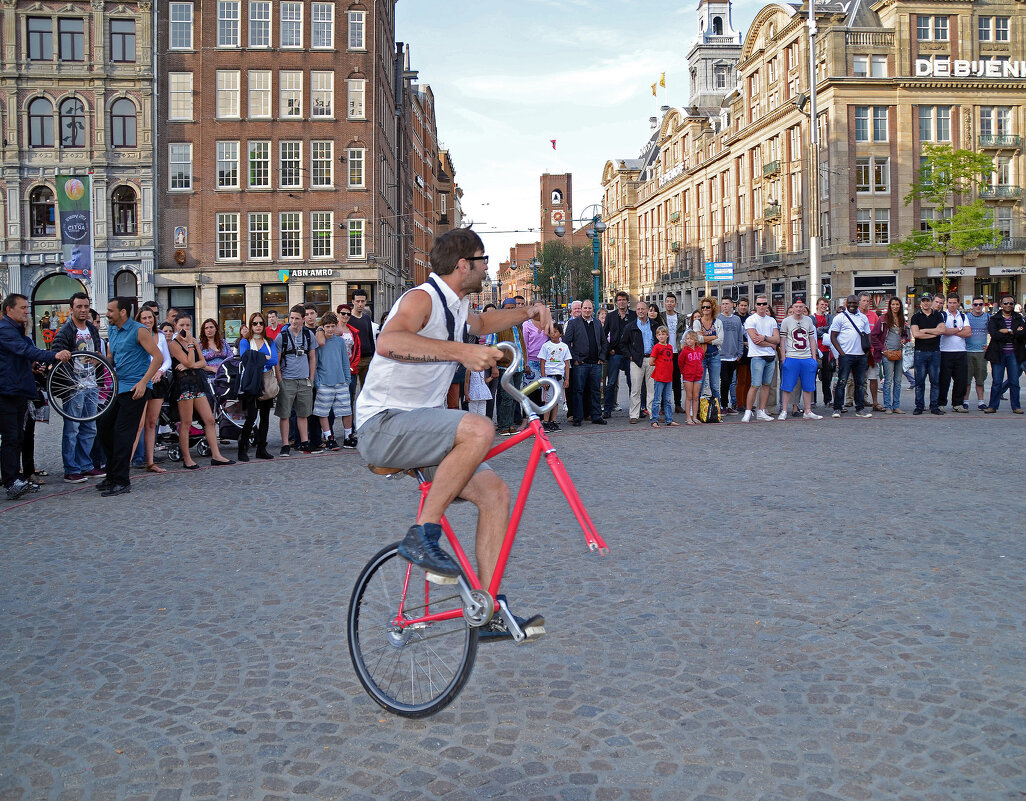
(167, 433)
(229, 416)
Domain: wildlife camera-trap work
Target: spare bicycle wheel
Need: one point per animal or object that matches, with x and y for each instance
(82, 388)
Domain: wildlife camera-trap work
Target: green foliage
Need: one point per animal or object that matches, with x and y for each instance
(566, 266)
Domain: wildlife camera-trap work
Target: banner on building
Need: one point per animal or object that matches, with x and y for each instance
(74, 209)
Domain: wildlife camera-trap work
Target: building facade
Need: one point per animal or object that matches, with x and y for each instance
(77, 101)
(279, 146)
(732, 184)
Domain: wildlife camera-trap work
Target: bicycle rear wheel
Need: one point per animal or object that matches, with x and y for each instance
(82, 388)
(413, 671)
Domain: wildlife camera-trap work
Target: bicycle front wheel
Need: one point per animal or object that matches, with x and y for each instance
(82, 388)
(413, 670)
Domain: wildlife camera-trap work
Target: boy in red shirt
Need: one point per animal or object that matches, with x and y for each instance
(662, 375)
(691, 370)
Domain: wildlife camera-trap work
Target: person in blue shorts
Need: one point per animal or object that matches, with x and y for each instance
(798, 359)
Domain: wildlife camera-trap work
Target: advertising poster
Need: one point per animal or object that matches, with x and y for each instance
(74, 210)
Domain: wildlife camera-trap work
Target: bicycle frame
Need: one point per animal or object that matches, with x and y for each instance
(542, 447)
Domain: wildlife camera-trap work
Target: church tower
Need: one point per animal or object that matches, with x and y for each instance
(712, 58)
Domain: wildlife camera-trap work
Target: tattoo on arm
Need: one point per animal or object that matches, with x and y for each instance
(409, 357)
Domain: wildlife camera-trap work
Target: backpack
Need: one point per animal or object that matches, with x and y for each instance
(288, 344)
(709, 410)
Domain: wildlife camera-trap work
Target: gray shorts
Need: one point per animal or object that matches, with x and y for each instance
(333, 396)
(296, 392)
(408, 439)
(977, 368)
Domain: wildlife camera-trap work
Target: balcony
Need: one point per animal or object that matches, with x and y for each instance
(771, 212)
(870, 38)
(771, 168)
(770, 258)
(1008, 243)
(1001, 192)
(1000, 141)
(675, 247)
(674, 216)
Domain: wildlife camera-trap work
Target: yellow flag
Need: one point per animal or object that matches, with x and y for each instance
(653, 90)
(662, 80)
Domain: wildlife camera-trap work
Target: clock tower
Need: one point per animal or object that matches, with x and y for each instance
(556, 204)
(712, 59)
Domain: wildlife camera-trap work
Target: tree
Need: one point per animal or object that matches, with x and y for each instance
(567, 270)
(944, 175)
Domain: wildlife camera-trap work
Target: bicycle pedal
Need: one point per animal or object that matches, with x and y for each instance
(434, 578)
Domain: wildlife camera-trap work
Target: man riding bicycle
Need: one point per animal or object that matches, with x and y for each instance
(402, 421)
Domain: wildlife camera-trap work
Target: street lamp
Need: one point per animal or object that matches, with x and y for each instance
(594, 232)
(535, 264)
(814, 188)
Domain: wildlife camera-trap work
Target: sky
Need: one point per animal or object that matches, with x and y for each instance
(510, 75)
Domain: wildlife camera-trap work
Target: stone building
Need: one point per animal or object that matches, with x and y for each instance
(732, 184)
(279, 151)
(77, 101)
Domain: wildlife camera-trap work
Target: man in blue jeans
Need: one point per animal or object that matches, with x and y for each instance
(927, 327)
(587, 351)
(613, 332)
(846, 332)
(1006, 353)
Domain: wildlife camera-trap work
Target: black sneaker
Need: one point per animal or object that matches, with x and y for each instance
(285, 451)
(917, 411)
(17, 488)
(555, 426)
(495, 629)
(116, 489)
(349, 443)
(937, 411)
(422, 550)
(310, 450)
(331, 444)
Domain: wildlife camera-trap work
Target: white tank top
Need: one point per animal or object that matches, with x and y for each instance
(414, 385)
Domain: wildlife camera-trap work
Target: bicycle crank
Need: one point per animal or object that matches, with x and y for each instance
(478, 605)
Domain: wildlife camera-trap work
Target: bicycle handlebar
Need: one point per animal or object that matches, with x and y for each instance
(520, 395)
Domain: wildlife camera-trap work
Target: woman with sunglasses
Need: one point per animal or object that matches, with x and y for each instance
(256, 339)
(351, 336)
(161, 385)
(709, 328)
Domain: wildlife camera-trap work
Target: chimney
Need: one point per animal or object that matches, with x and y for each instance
(653, 122)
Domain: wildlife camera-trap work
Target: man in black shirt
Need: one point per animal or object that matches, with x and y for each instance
(361, 321)
(587, 345)
(616, 324)
(927, 327)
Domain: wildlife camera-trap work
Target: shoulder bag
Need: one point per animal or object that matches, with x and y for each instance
(867, 346)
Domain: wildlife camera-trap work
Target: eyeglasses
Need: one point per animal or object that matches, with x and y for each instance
(344, 314)
(257, 322)
(1006, 303)
(762, 304)
(707, 307)
(977, 304)
(478, 258)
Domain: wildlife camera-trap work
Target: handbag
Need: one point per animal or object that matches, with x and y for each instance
(892, 355)
(270, 386)
(709, 410)
(867, 346)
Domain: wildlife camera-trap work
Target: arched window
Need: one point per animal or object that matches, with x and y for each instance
(126, 285)
(717, 26)
(73, 123)
(557, 197)
(122, 123)
(41, 212)
(40, 123)
(123, 211)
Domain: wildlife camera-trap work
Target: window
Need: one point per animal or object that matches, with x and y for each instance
(42, 220)
(227, 165)
(260, 235)
(290, 156)
(1000, 29)
(882, 226)
(321, 225)
(179, 162)
(322, 26)
(322, 94)
(72, 39)
(356, 246)
(260, 165)
(720, 77)
(73, 123)
(259, 23)
(940, 29)
(1002, 175)
(40, 39)
(985, 28)
(227, 94)
(40, 123)
(863, 227)
(179, 86)
(290, 233)
(1003, 221)
(879, 123)
(290, 97)
(935, 123)
(356, 95)
(357, 39)
(122, 40)
(881, 175)
(869, 66)
(862, 174)
(355, 158)
(227, 237)
(291, 25)
(321, 156)
(862, 123)
(995, 120)
(123, 211)
(122, 123)
(259, 94)
(860, 66)
(228, 23)
(180, 33)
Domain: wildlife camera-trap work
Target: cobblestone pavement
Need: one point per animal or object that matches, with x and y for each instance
(794, 610)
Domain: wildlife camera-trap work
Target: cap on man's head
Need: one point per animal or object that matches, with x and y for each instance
(926, 296)
(509, 302)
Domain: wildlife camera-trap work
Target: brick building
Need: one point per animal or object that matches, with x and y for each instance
(78, 95)
(278, 151)
(421, 163)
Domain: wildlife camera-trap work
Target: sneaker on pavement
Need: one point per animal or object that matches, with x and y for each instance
(959, 409)
(836, 414)
(423, 550)
(349, 442)
(811, 416)
(116, 489)
(495, 630)
(761, 415)
(782, 416)
(285, 451)
(862, 413)
(95, 473)
(17, 488)
(310, 450)
(331, 444)
(982, 406)
(747, 416)
(75, 478)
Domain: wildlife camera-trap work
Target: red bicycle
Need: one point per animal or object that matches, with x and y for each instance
(413, 641)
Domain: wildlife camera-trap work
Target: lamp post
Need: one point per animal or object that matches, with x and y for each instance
(813, 165)
(535, 264)
(594, 232)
